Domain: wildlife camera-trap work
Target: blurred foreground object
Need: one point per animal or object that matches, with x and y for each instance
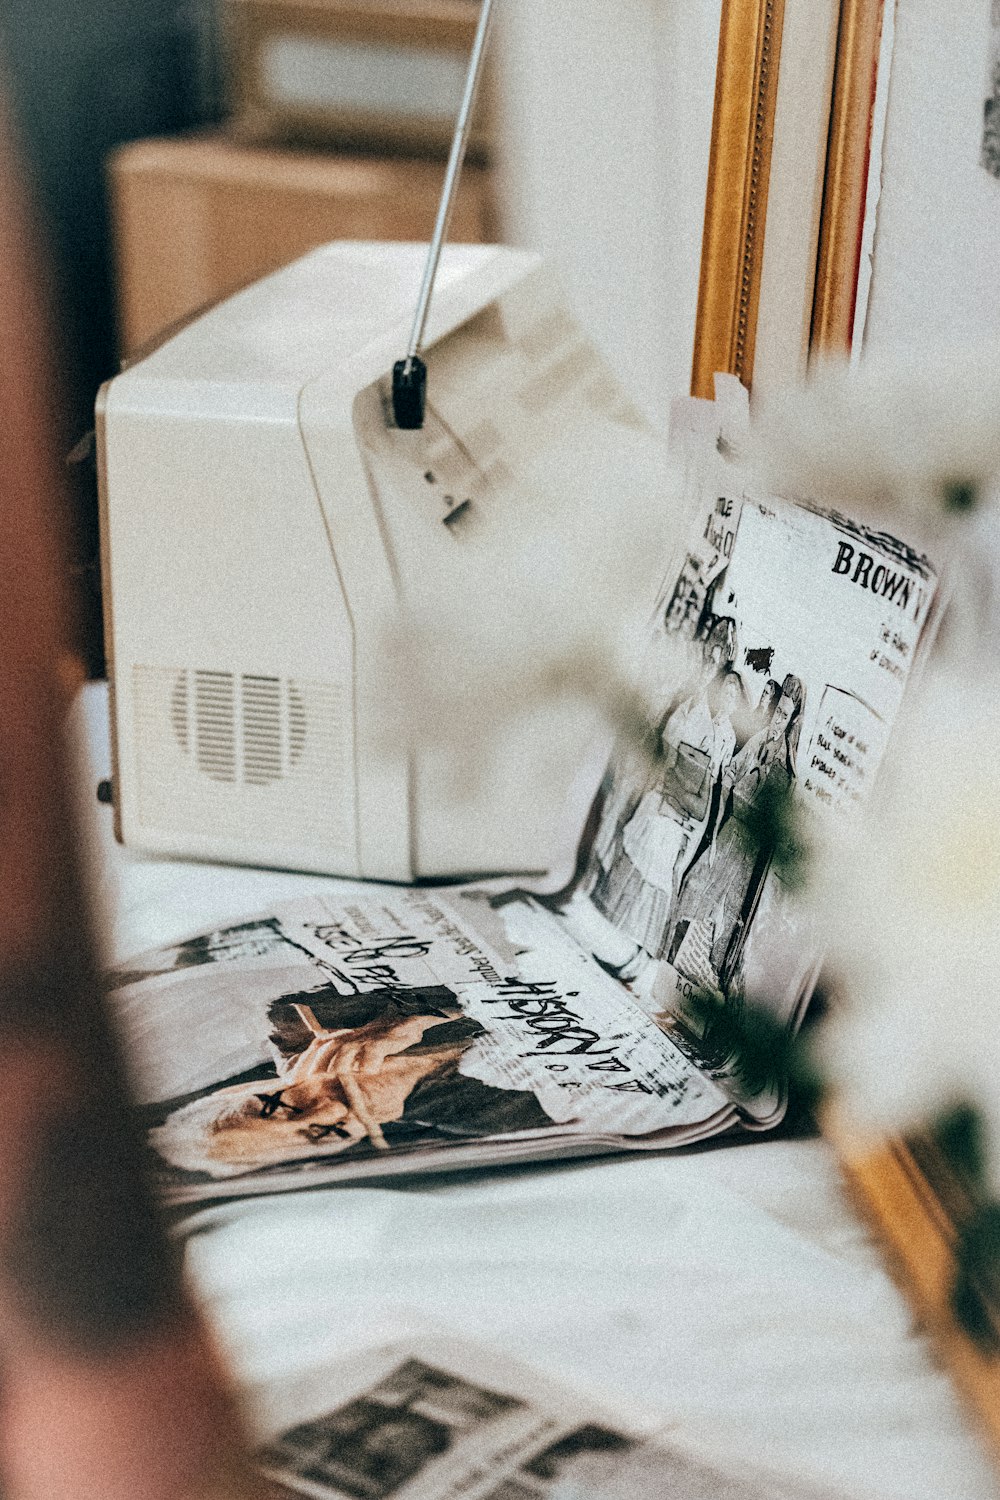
(908, 899)
(197, 218)
(374, 74)
(81, 80)
(108, 1387)
(903, 434)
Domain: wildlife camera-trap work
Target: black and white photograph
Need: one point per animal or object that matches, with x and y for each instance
(776, 665)
(438, 1418)
(373, 1446)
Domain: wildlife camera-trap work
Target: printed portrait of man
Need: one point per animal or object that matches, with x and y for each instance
(371, 1070)
(373, 1450)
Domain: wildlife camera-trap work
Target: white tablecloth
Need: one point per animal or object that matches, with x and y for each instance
(729, 1290)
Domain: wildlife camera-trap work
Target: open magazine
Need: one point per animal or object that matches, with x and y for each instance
(433, 1418)
(383, 1029)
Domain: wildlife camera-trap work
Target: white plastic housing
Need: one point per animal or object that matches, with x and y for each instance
(262, 525)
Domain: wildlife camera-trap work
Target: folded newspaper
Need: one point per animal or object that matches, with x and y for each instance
(381, 1029)
(437, 1419)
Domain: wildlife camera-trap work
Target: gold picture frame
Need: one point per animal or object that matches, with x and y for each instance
(846, 182)
(916, 1205)
(746, 92)
(736, 207)
(907, 1189)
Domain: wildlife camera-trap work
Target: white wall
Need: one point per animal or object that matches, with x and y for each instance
(606, 117)
(936, 273)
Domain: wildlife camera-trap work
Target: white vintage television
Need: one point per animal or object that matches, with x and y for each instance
(263, 523)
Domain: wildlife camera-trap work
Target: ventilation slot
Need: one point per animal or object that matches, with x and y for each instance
(215, 724)
(179, 711)
(296, 724)
(261, 730)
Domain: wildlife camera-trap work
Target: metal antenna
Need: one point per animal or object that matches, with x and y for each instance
(409, 375)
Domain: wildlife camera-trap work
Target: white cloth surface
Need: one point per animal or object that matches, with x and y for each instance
(730, 1292)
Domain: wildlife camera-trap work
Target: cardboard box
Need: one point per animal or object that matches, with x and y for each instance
(197, 218)
(374, 74)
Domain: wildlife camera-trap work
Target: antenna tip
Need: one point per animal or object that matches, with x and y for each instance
(409, 392)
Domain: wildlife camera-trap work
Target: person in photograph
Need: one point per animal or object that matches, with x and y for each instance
(712, 654)
(376, 1068)
(764, 712)
(686, 652)
(638, 891)
(628, 777)
(722, 884)
(718, 643)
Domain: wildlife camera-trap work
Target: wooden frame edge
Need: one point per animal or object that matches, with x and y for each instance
(746, 90)
(891, 1186)
(847, 166)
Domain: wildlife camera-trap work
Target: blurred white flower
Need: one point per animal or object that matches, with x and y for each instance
(909, 901)
(893, 431)
(550, 606)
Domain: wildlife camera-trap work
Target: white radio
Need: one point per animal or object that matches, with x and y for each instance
(265, 525)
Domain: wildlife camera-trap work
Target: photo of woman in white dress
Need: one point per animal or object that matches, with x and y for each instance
(720, 888)
(637, 891)
(678, 658)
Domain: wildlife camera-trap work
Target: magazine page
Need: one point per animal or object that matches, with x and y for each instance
(386, 1029)
(434, 1419)
(777, 663)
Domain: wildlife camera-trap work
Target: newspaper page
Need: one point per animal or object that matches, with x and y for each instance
(435, 1419)
(777, 663)
(386, 1029)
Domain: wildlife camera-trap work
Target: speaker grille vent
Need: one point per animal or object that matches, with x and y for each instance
(278, 753)
(248, 728)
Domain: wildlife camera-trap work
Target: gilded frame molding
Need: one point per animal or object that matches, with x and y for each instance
(846, 183)
(916, 1205)
(746, 91)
